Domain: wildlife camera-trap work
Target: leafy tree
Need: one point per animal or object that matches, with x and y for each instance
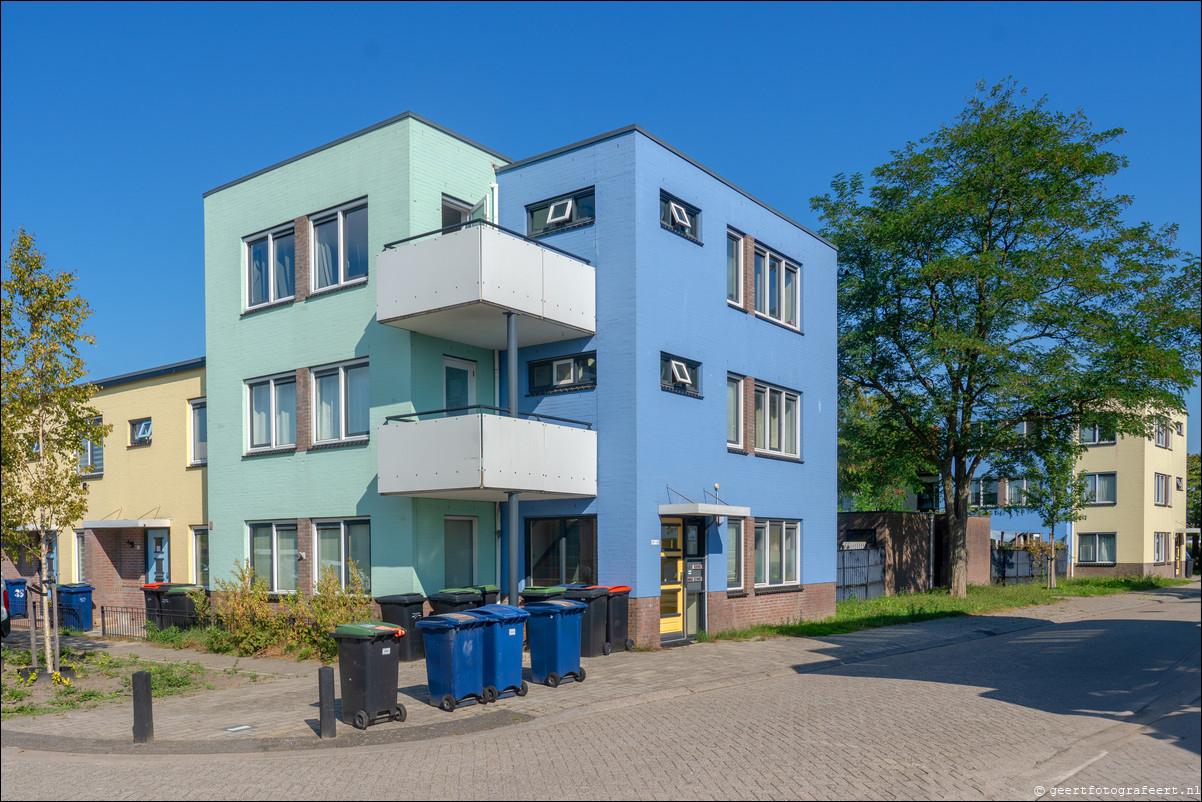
(874, 474)
(988, 279)
(44, 412)
(1193, 491)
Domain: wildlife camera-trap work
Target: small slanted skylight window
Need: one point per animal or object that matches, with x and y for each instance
(679, 375)
(139, 432)
(680, 372)
(571, 210)
(679, 215)
(563, 372)
(560, 212)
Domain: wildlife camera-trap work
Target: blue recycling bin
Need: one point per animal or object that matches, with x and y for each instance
(503, 633)
(454, 658)
(75, 606)
(16, 598)
(555, 641)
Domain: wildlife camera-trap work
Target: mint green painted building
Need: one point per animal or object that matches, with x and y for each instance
(301, 376)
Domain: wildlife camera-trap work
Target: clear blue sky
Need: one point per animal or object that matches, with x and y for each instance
(117, 117)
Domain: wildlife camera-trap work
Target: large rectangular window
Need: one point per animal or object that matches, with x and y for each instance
(272, 406)
(734, 553)
(1160, 547)
(777, 289)
(777, 421)
(340, 247)
(200, 432)
(561, 551)
(1162, 489)
(345, 548)
(274, 554)
(734, 411)
(1094, 434)
(341, 404)
(734, 268)
(270, 268)
(1094, 547)
(1164, 435)
(777, 552)
(91, 456)
(560, 374)
(573, 210)
(1100, 488)
(983, 492)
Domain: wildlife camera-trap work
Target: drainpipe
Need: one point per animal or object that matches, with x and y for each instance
(511, 358)
(931, 553)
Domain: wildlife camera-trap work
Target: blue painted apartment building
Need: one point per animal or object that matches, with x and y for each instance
(603, 364)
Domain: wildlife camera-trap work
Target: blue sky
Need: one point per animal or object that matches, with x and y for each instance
(116, 117)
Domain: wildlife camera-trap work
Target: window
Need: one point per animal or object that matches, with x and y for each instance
(274, 554)
(1018, 491)
(777, 552)
(578, 372)
(200, 432)
(1164, 437)
(1100, 488)
(343, 547)
(679, 217)
(679, 375)
(1160, 547)
(1095, 434)
(777, 289)
(454, 211)
(982, 493)
(734, 553)
(339, 244)
(458, 551)
(1180, 429)
(1163, 490)
(734, 411)
(139, 432)
(777, 421)
(1095, 548)
(1180, 484)
(340, 403)
(80, 567)
(558, 214)
(270, 268)
(272, 405)
(91, 456)
(200, 555)
(734, 269)
(561, 551)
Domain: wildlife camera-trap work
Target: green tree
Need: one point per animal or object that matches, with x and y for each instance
(988, 279)
(44, 412)
(1193, 491)
(874, 474)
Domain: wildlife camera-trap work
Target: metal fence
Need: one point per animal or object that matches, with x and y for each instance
(1016, 567)
(131, 622)
(859, 574)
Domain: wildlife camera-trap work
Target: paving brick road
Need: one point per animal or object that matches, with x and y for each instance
(1101, 692)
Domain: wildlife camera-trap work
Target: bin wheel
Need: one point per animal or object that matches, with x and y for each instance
(447, 703)
(359, 722)
(607, 649)
(523, 689)
(629, 645)
(490, 694)
(580, 676)
(400, 713)
(552, 680)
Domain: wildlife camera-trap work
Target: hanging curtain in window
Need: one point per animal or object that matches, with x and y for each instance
(356, 400)
(328, 412)
(285, 413)
(285, 254)
(325, 253)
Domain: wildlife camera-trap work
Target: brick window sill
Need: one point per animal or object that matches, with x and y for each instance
(770, 589)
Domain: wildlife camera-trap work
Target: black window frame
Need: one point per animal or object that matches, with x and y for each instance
(667, 221)
(575, 220)
(576, 384)
(562, 522)
(668, 384)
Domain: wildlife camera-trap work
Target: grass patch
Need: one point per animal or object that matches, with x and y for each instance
(854, 615)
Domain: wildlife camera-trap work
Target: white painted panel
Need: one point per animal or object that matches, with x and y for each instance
(437, 454)
(511, 272)
(428, 274)
(570, 460)
(569, 291)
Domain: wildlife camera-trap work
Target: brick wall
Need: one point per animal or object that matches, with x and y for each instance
(116, 570)
(304, 410)
(644, 621)
(748, 417)
(300, 241)
(748, 274)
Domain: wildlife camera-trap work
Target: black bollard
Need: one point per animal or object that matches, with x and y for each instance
(143, 717)
(325, 693)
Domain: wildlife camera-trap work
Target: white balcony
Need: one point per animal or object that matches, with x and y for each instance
(459, 286)
(481, 457)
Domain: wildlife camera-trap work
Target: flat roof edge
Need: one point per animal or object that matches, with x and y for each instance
(406, 115)
(149, 373)
(639, 129)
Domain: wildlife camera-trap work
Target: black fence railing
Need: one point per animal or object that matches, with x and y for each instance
(413, 417)
(469, 223)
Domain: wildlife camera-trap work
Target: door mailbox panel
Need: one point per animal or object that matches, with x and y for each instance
(694, 575)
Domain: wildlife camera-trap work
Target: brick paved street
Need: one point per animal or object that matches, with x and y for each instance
(1101, 692)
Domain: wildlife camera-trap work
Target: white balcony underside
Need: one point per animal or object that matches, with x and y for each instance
(485, 457)
(459, 286)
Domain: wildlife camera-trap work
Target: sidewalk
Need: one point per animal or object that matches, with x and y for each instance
(280, 711)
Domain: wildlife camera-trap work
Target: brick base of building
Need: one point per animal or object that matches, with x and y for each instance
(1126, 569)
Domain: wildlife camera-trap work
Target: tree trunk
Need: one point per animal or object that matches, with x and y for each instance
(956, 504)
(47, 607)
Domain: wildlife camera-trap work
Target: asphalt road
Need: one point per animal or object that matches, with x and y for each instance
(1107, 704)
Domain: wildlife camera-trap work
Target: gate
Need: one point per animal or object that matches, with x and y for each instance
(859, 574)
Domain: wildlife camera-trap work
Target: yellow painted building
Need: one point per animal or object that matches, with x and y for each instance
(147, 519)
(1138, 485)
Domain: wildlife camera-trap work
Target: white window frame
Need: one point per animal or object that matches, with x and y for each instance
(248, 243)
(88, 453)
(768, 391)
(141, 431)
(737, 381)
(1164, 435)
(571, 377)
(786, 525)
(80, 546)
(735, 524)
(344, 402)
(1160, 547)
(343, 525)
(274, 579)
(679, 215)
(565, 215)
(1162, 490)
(976, 493)
(272, 382)
(1094, 538)
(1091, 489)
(197, 531)
(194, 406)
(786, 266)
(680, 372)
(1092, 436)
(737, 239)
(339, 213)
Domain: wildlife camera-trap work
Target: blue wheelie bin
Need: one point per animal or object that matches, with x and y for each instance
(503, 635)
(454, 658)
(555, 641)
(75, 605)
(16, 597)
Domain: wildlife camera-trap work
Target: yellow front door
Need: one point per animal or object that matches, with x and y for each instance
(671, 569)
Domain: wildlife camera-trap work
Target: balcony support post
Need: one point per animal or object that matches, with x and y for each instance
(511, 379)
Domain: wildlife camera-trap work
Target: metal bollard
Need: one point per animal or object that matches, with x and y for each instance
(143, 716)
(325, 693)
